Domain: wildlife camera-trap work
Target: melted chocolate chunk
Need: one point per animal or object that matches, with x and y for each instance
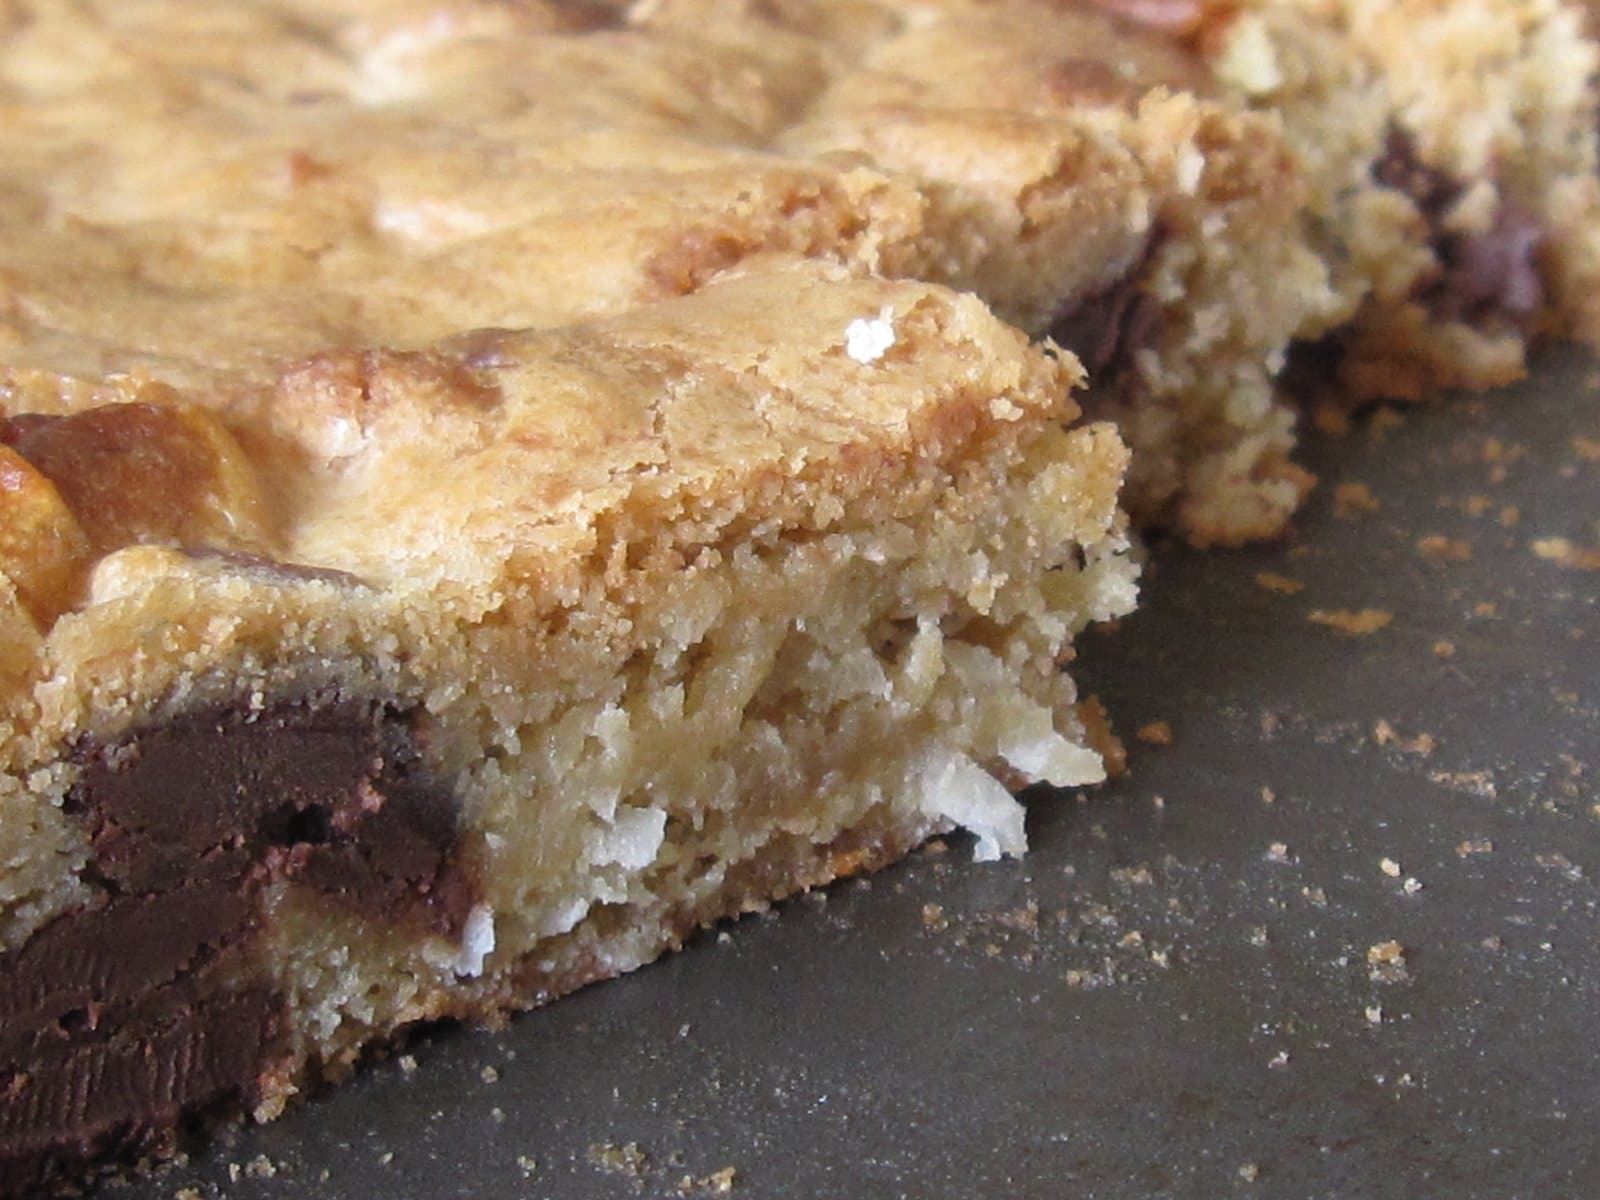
(1484, 279)
(119, 1019)
(1106, 329)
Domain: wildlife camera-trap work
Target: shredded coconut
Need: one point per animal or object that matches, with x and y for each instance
(477, 941)
(867, 339)
(958, 789)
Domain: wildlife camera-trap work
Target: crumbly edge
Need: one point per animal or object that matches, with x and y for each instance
(1236, 278)
(1503, 102)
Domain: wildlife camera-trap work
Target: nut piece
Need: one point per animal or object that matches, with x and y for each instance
(43, 549)
(143, 472)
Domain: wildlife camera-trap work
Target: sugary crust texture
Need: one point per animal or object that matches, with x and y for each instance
(288, 178)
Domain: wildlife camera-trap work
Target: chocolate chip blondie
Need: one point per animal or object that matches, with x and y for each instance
(476, 507)
(441, 681)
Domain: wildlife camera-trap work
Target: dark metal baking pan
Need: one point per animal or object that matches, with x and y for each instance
(1338, 938)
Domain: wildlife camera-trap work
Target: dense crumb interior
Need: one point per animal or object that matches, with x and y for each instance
(799, 709)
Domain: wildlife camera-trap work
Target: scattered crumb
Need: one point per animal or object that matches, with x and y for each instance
(1411, 886)
(261, 1167)
(1389, 867)
(489, 1075)
(1155, 733)
(1258, 935)
(1437, 548)
(1268, 796)
(187, 1193)
(1563, 553)
(1331, 419)
(1278, 1061)
(1315, 896)
(1444, 649)
(1560, 862)
(933, 918)
(1476, 783)
(1281, 584)
(1382, 421)
(386, 1157)
(1249, 1172)
(1384, 734)
(1132, 876)
(526, 1164)
(1387, 961)
(1374, 1014)
(408, 1064)
(1487, 608)
(1363, 621)
(1352, 500)
(1278, 852)
(1496, 451)
(627, 1159)
(718, 1183)
(1474, 846)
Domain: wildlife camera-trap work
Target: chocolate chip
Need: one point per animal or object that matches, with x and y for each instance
(118, 1019)
(1105, 330)
(1484, 279)
(1493, 276)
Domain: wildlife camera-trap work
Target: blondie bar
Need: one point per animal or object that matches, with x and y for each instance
(440, 682)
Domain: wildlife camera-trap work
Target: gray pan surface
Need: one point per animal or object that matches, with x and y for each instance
(1338, 938)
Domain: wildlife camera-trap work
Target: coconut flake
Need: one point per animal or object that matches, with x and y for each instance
(958, 789)
(634, 838)
(477, 942)
(867, 339)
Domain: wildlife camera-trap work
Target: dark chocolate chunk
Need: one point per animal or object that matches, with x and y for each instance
(1484, 279)
(333, 793)
(77, 1101)
(119, 1019)
(1106, 329)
